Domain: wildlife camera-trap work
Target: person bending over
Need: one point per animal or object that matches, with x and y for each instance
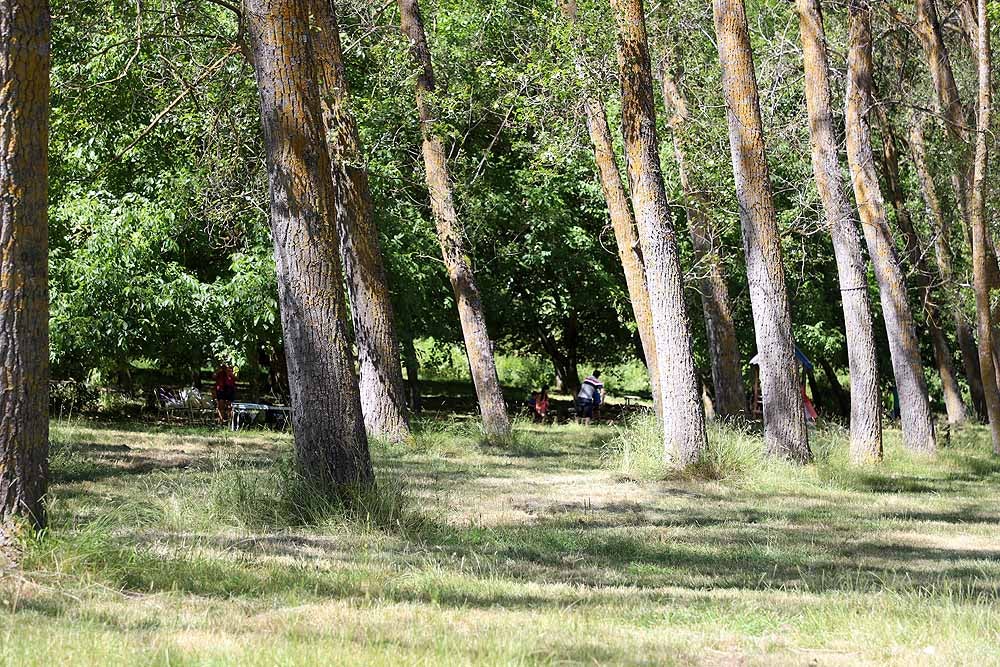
(589, 398)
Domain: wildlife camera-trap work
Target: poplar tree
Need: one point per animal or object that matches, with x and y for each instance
(683, 421)
(917, 421)
(980, 231)
(380, 375)
(723, 348)
(329, 432)
(785, 434)
(866, 406)
(620, 213)
(451, 235)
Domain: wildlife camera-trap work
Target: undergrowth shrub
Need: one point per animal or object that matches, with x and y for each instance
(279, 496)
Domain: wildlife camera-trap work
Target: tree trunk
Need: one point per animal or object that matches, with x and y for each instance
(843, 400)
(924, 275)
(412, 363)
(785, 431)
(479, 349)
(943, 257)
(928, 29)
(727, 367)
(24, 247)
(380, 375)
(685, 438)
(329, 432)
(918, 424)
(979, 229)
(622, 220)
(866, 404)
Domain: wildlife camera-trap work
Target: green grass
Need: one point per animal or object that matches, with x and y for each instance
(187, 547)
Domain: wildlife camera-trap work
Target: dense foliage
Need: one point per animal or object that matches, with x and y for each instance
(160, 250)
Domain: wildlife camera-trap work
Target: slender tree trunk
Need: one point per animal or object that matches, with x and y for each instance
(24, 247)
(380, 375)
(685, 438)
(924, 275)
(843, 400)
(330, 441)
(918, 424)
(979, 230)
(412, 363)
(627, 239)
(785, 431)
(866, 404)
(943, 257)
(622, 219)
(727, 367)
(928, 30)
(478, 347)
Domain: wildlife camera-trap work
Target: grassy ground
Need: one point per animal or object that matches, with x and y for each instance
(546, 553)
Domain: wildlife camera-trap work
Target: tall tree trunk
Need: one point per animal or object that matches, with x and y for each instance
(412, 363)
(943, 257)
(380, 375)
(866, 404)
(683, 420)
(843, 400)
(622, 219)
(478, 347)
(727, 367)
(24, 248)
(329, 429)
(918, 424)
(924, 276)
(785, 431)
(979, 230)
(928, 29)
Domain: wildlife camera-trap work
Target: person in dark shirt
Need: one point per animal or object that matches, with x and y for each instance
(589, 398)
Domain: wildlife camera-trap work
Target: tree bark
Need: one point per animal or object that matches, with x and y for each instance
(478, 347)
(683, 421)
(918, 424)
(925, 276)
(727, 367)
(380, 375)
(785, 431)
(330, 443)
(866, 404)
(622, 220)
(24, 298)
(943, 257)
(979, 229)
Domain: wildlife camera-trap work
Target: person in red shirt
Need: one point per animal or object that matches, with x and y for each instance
(225, 392)
(542, 405)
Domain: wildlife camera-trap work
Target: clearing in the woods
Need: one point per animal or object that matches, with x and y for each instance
(173, 546)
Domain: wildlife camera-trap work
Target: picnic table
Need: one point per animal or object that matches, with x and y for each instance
(251, 414)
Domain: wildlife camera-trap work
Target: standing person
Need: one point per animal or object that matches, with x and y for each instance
(589, 397)
(542, 405)
(225, 392)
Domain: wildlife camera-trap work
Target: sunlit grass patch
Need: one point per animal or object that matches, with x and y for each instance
(169, 549)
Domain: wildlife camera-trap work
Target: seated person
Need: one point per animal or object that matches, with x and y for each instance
(542, 405)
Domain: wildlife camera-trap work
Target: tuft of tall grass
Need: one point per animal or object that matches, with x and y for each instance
(279, 496)
(734, 452)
